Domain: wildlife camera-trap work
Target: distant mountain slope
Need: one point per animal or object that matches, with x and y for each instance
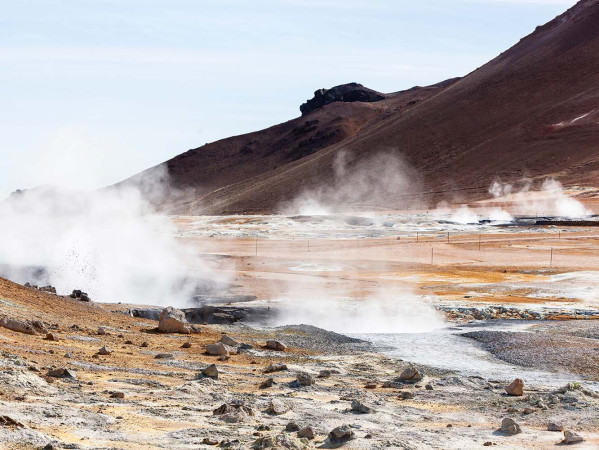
(532, 111)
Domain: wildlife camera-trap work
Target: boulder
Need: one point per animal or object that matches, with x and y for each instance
(405, 395)
(292, 426)
(275, 345)
(269, 382)
(411, 374)
(23, 326)
(227, 340)
(173, 320)
(572, 438)
(275, 367)
(62, 373)
(341, 434)
(306, 432)
(305, 379)
(104, 351)
(233, 412)
(358, 407)
(219, 349)
(508, 426)
(211, 371)
(515, 388)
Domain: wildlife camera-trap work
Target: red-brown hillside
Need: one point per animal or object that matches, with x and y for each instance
(532, 111)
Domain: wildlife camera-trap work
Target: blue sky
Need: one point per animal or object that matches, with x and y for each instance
(96, 90)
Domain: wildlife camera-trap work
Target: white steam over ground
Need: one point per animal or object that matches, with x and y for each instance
(390, 309)
(110, 244)
(547, 199)
(382, 180)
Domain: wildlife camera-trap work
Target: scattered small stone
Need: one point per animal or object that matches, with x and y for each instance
(209, 441)
(292, 426)
(186, 345)
(572, 438)
(227, 340)
(411, 374)
(515, 388)
(62, 373)
(305, 379)
(211, 371)
(405, 395)
(101, 331)
(276, 345)
(511, 409)
(164, 356)
(51, 337)
(370, 385)
(128, 342)
(275, 367)
(104, 351)
(172, 320)
(218, 349)
(269, 382)
(144, 344)
(528, 410)
(263, 427)
(68, 355)
(224, 358)
(117, 395)
(341, 434)
(449, 425)
(306, 432)
(324, 374)
(429, 387)
(508, 426)
(552, 426)
(359, 407)
(277, 407)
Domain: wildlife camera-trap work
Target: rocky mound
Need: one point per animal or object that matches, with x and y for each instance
(350, 92)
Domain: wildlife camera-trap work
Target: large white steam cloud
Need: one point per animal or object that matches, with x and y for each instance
(548, 199)
(359, 184)
(390, 309)
(109, 243)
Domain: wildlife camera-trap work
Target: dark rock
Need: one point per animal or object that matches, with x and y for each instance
(211, 371)
(359, 407)
(508, 426)
(275, 345)
(292, 426)
(275, 367)
(269, 382)
(351, 92)
(341, 434)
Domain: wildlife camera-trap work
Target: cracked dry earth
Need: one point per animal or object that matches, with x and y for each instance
(129, 399)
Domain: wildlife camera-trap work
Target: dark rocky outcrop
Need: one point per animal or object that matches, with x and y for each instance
(350, 92)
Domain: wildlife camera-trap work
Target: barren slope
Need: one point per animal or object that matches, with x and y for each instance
(532, 111)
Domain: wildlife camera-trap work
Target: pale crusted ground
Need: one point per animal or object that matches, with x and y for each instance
(166, 404)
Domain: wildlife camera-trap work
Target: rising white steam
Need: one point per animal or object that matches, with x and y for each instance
(110, 244)
(383, 180)
(549, 199)
(384, 310)
(465, 215)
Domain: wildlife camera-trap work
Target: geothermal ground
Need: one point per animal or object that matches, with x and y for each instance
(402, 329)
